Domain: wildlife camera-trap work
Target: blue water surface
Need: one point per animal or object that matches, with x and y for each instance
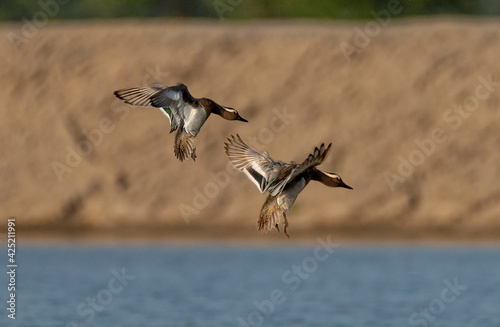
(69, 285)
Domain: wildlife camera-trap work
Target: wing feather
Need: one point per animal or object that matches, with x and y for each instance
(139, 96)
(316, 158)
(173, 101)
(261, 169)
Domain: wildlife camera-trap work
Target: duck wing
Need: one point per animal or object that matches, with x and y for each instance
(316, 158)
(139, 96)
(268, 175)
(175, 101)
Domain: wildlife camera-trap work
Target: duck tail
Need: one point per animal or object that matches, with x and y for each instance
(184, 145)
(271, 215)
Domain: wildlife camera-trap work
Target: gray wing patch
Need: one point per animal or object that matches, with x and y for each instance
(173, 99)
(287, 198)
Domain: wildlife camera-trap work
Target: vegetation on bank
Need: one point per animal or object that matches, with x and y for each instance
(238, 9)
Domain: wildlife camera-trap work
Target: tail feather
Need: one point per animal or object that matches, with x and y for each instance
(271, 214)
(184, 145)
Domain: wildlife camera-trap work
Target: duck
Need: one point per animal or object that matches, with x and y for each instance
(185, 113)
(283, 181)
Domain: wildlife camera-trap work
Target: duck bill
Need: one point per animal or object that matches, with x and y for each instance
(344, 185)
(241, 119)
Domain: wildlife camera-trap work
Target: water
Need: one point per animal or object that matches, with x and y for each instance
(216, 286)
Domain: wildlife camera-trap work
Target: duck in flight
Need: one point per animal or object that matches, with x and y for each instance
(185, 113)
(283, 181)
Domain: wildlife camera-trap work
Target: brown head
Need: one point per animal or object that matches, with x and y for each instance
(329, 179)
(225, 112)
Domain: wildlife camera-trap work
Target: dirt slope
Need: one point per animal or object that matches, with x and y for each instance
(292, 81)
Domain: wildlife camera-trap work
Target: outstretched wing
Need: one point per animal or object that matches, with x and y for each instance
(173, 101)
(268, 175)
(139, 96)
(316, 158)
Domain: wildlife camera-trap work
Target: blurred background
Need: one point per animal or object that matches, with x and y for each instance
(258, 9)
(405, 90)
(112, 230)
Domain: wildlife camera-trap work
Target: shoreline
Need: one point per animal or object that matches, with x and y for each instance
(236, 237)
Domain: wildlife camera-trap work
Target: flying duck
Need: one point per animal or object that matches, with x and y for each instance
(185, 113)
(283, 181)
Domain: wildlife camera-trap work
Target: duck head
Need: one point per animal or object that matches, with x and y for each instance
(329, 179)
(227, 113)
(231, 114)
